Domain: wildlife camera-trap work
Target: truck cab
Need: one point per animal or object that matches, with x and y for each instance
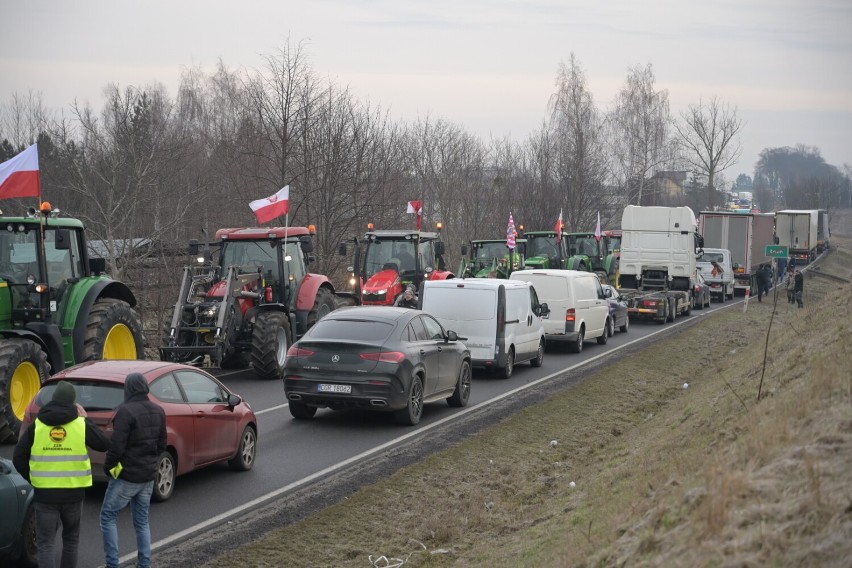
(718, 271)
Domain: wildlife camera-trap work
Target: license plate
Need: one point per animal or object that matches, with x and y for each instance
(345, 389)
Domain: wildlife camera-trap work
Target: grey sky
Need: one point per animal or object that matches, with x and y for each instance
(486, 65)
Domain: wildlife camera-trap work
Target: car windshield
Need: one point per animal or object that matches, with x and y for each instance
(613, 244)
(91, 395)
(585, 245)
(711, 257)
(490, 251)
(351, 329)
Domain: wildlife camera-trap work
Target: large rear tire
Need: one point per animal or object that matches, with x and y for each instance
(23, 368)
(323, 305)
(270, 341)
(113, 331)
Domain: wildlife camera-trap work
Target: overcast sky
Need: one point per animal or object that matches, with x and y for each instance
(488, 66)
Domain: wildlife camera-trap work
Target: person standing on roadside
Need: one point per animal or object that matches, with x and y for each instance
(799, 287)
(764, 281)
(138, 439)
(51, 454)
(790, 285)
(782, 268)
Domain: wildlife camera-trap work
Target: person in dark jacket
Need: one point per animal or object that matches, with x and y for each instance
(60, 484)
(408, 298)
(764, 281)
(799, 287)
(138, 439)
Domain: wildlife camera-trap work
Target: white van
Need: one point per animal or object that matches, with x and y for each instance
(500, 321)
(578, 308)
(718, 271)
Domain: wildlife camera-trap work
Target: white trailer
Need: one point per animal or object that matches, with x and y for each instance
(745, 235)
(797, 229)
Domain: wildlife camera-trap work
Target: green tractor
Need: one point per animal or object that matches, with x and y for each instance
(589, 254)
(57, 308)
(544, 250)
(491, 258)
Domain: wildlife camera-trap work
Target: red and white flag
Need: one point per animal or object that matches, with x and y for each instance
(19, 176)
(269, 208)
(511, 233)
(560, 224)
(416, 207)
(598, 227)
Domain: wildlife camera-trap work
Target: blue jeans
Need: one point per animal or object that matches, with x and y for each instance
(118, 494)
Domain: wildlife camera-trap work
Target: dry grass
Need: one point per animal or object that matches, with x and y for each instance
(665, 476)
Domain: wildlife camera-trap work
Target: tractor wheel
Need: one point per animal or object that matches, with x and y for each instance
(114, 331)
(23, 367)
(324, 304)
(270, 341)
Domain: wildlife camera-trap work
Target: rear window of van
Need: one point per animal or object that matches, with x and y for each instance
(549, 288)
(465, 303)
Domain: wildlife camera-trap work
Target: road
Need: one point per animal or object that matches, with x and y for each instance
(295, 454)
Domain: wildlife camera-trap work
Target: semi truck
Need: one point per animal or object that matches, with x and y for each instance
(745, 235)
(797, 229)
(823, 232)
(659, 247)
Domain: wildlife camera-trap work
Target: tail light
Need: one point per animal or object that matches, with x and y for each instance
(650, 303)
(268, 294)
(570, 315)
(384, 357)
(296, 351)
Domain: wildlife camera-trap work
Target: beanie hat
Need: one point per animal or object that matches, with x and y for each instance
(64, 393)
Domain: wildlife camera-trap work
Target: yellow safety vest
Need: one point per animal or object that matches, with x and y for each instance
(59, 459)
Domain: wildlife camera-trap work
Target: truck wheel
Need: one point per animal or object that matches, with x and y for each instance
(690, 304)
(23, 367)
(270, 341)
(672, 310)
(665, 317)
(324, 304)
(114, 331)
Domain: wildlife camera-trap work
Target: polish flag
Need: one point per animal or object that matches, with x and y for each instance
(19, 176)
(416, 207)
(269, 208)
(598, 227)
(560, 224)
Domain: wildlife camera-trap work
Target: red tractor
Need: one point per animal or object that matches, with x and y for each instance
(386, 261)
(247, 307)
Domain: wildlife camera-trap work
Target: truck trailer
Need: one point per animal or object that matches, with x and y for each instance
(657, 271)
(797, 229)
(745, 235)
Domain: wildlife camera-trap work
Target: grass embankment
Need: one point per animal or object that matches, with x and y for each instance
(664, 475)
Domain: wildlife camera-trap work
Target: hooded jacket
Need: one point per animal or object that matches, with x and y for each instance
(55, 413)
(138, 433)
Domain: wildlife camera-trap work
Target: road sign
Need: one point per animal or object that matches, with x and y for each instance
(777, 251)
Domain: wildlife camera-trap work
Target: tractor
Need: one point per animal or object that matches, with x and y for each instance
(544, 250)
(57, 308)
(491, 259)
(386, 261)
(590, 254)
(245, 308)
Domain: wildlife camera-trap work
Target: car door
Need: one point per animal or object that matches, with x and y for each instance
(180, 417)
(447, 356)
(535, 330)
(428, 351)
(215, 425)
(601, 306)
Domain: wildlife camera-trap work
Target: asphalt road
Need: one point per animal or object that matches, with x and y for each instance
(294, 455)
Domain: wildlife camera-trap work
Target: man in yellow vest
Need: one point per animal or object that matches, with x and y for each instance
(52, 454)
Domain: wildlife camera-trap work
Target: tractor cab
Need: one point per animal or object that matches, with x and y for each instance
(491, 259)
(544, 250)
(388, 260)
(590, 254)
(613, 242)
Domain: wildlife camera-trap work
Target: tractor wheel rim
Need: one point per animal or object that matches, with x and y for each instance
(281, 339)
(119, 343)
(25, 384)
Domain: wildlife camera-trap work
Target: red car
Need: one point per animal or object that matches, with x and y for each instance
(206, 423)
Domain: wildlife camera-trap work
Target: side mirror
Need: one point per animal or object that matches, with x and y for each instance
(439, 248)
(544, 309)
(428, 270)
(607, 293)
(193, 247)
(464, 250)
(233, 400)
(341, 249)
(63, 239)
(307, 244)
(452, 336)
